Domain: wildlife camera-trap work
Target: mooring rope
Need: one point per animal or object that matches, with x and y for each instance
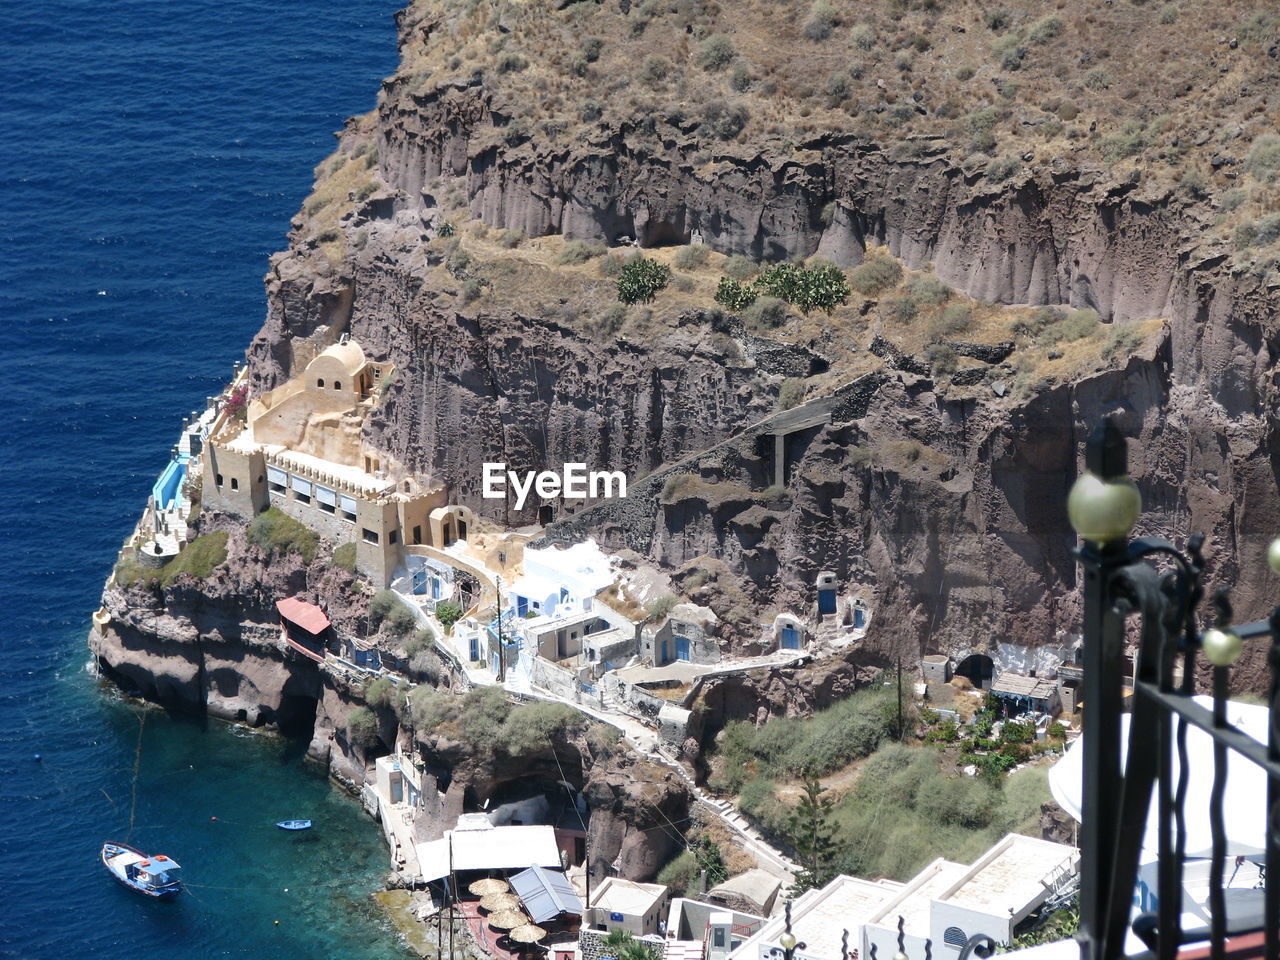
(137, 768)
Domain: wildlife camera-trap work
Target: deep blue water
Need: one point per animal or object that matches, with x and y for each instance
(154, 153)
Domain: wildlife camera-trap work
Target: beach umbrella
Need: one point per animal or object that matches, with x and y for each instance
(527, 933)
(497, 902)
(482, 888)
(507, 919)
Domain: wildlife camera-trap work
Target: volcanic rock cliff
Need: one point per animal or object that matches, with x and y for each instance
(963, 544)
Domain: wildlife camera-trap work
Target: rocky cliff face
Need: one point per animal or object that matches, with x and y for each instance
(964, 545)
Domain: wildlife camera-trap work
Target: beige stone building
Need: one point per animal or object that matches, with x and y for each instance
(301, 448)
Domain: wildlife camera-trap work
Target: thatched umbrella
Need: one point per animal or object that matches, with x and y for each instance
(527, 933)
(497, 902)
(482, 888)
(507, 919)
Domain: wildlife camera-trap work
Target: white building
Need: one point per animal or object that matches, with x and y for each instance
(945, 904)
(558, 581)
(619, 904)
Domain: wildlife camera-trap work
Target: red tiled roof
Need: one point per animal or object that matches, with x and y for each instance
(306, 615)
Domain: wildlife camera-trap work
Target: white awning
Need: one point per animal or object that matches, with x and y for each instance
(325, 495)
(1244, 805)
(348, 504)
(276, 475)
(302, 485)
(498, 848)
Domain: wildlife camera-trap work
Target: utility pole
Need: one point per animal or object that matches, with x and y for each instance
(452, 881)
(900, 698)
(502, 653)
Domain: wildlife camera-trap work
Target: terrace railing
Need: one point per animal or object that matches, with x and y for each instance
(1159, 585)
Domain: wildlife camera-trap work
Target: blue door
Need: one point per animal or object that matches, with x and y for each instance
(859, 618)
(682, 648)
(435, 588)
(790, 638)
(827, 601)
(420, 581)
(493, 663)
(475, 647)
(522, 606)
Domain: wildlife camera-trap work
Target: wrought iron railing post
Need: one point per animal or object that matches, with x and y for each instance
(1103, 505)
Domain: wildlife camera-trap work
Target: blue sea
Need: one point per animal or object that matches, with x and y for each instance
(154, 153)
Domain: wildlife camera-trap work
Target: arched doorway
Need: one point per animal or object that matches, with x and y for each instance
(979, 668)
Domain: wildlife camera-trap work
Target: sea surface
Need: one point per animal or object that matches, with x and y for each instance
(153, 154)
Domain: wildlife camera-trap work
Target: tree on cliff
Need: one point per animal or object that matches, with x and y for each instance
(811, 834)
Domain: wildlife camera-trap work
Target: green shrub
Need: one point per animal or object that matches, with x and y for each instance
(472, 289)
(734, 295)
(611, 321)
(1002, 168)
(580, 251)
(484, 713)
(724, 120)
(535, 726)
(715, 52)
(641, 279)
(928, 289)
(863, 36)
(198, 559)
(942, 359)
(657, 609)
(421, 639)
(448, 613)
(1263, 159)
(1009, 51)
(822, 21)
(1045, 29)
(362, 726)
(591, 48)
(1130, 142)
(742, 78)
(1098, 79)
(691, 257)
(901, 309)
(380, 692)
(510, 62)
(655, 70)
(739, 267)
(344, 557)
(956, 318)
(680, 873)
(875, 275)
(791, 393)
(430, 708)
(1123, 340)
(611, 265)
(366, 191)
(400, 620)
(766, 313)
(1258, 28)
(275, 532)
(511, 238)
(1169, 13)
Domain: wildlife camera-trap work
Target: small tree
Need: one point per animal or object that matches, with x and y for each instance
(734, 294)
(380, 692)
(812, 835)
(362, 726)
(707, 853)
(641, 279)
(448, 613)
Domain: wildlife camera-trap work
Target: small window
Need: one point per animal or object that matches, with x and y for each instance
(327, 507)
(337, 384)
(235, 483)
(393, 537)
(370, 536)
(217, 478)
(320, 384)
(954, 937)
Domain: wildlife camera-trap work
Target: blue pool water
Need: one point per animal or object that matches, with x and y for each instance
(154, 154)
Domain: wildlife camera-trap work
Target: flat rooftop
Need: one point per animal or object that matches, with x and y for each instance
(626, 896)
(820, 922)
(1011, 876)
(914, 902)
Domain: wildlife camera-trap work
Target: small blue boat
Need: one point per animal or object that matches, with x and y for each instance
(294, 824)
(156, 877)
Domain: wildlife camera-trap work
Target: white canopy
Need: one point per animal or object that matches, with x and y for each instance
(1244, 803)
(496, 848)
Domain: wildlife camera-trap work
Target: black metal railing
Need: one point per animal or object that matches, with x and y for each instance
(1161, 585)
